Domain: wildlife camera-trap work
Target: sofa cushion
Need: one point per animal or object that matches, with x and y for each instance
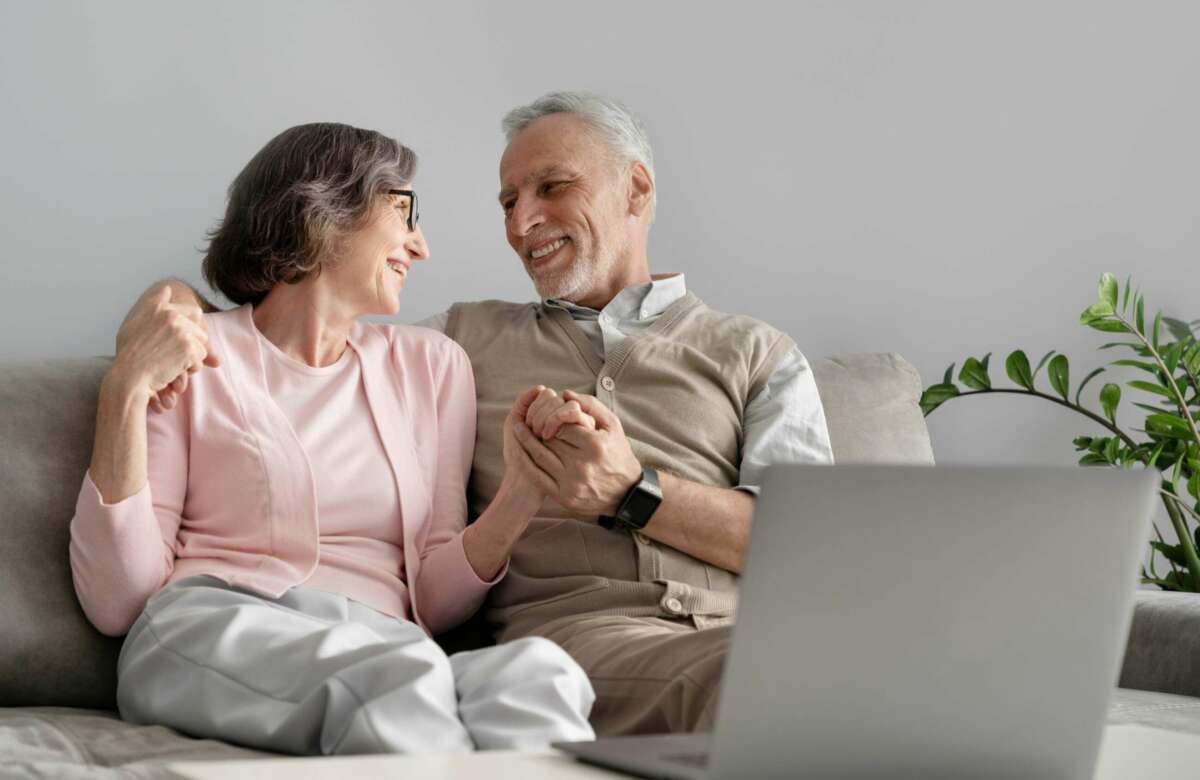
(872, 407)
(1159, 710)
(1163, 653)
(57, 742)
(49, 653)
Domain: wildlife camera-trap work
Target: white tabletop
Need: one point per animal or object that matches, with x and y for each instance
(1128, 753)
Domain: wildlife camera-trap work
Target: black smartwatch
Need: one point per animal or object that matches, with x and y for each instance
(638, 506)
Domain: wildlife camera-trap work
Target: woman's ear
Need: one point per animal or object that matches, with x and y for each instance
(641, 189)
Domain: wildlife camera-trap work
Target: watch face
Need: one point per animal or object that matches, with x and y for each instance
(640, 507)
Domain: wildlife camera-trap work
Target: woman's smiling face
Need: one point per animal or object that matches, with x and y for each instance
(376, 257)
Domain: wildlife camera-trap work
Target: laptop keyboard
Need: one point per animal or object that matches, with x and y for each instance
(690, 759)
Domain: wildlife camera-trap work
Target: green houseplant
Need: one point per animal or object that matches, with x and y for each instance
(1169, 440)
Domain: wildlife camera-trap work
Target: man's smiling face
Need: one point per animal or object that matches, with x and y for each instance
(566, 211)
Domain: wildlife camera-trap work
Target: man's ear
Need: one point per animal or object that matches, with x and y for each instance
(641, 189)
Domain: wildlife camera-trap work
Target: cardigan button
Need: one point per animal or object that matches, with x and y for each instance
(607, 383)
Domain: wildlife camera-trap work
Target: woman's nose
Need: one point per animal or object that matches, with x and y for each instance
(415, 245)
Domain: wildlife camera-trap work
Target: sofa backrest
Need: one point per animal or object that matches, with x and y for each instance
(51, 655)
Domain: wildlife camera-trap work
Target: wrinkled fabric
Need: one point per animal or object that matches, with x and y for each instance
(315, 673)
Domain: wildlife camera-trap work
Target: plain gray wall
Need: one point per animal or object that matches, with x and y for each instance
(934, 178)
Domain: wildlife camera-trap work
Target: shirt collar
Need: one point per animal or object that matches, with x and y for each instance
(637, 301)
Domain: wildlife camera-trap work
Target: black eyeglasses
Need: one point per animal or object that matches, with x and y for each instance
(414, 216)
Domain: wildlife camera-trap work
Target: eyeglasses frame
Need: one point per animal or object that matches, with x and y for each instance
(414, 216)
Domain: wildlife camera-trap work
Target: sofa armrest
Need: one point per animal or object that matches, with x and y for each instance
(1163, 653)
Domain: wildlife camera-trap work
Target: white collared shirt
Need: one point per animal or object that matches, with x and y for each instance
(783, 423)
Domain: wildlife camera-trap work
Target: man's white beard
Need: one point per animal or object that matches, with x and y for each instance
(569, 284)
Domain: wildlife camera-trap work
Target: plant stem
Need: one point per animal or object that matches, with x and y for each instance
(1170, 380)
(1195, 382)
(1160, 583)
(1170, 562)
(1085, 412)
(1185, 541)
(1180, 502)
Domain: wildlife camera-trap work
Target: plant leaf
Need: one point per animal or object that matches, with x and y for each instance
(1171, 359)
(1092, 459)
(1125, 296)
(1139, 313)
(1153, 460)
(948, 377)
(1083, 384)
(1150, 388)
(1167, 422)
(935, 396)
(1157, 328)
(1178, 328)
(1017, 366)
(1060, 376)
(1193, 487)
(1110, 397)
(1172, 552)
(1192, 358)
(974, 374)
(1097, 311)
(1112, 344)
(1107, 326)
(1107, 290)
(1153, 369)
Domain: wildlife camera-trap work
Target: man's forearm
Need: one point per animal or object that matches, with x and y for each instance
(709, 523)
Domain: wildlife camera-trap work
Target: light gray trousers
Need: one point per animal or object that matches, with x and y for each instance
(315, 673)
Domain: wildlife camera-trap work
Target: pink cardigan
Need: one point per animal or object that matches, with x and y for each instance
(231, 494)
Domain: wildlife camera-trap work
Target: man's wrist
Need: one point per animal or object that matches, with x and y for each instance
(631, 479)
(638, 505)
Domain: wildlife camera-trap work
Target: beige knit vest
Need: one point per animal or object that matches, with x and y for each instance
(680, 390)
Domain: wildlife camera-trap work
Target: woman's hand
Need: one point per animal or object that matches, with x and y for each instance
(523, 478)
(490, 539)
(548, 411)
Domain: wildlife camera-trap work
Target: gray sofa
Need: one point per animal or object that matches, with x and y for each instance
(57, 681)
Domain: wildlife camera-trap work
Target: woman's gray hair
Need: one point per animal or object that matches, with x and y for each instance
(610, 119)
(294, 202)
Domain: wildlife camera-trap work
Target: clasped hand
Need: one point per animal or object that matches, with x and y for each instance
(573, 448)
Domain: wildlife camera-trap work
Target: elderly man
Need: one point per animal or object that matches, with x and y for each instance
(633, 565)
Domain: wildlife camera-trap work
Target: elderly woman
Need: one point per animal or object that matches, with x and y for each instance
(282, 543)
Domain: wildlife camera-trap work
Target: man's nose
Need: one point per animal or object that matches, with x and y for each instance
(415, 245)
(525, 217)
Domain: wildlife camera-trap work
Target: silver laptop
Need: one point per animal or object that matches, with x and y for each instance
(915, 622)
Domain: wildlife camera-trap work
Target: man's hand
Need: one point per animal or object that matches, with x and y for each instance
(154, 311)
(159, 344)
(591, 469)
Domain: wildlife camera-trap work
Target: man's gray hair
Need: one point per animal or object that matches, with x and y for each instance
(610, 119)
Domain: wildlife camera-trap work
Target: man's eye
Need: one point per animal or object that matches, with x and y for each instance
(550, 186)
(507, 207)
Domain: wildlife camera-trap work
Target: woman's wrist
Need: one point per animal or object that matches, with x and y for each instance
(518, 497)
(123, 384)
